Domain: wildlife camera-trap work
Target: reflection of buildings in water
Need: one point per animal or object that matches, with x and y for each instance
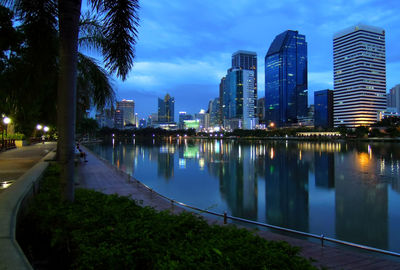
(286, 184)
(238, 183)
(395, 174)
(249, 183)
(361, 200)
(325, 170)
(320, 146)
(165, 163)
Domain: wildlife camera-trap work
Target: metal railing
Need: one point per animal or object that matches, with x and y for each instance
(225, 216)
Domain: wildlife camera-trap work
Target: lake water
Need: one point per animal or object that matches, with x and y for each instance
(348, 191)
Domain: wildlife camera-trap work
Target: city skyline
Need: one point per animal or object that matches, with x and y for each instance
(186, 48)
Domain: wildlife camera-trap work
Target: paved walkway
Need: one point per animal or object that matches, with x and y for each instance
(14, 163)
(101, 176)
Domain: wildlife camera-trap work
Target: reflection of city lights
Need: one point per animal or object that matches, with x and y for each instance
(272, 153)
(217, 147)
(363, 159)
(382, 167)
(182, 163)
(369, 151)
(201, 163)
(300, 155)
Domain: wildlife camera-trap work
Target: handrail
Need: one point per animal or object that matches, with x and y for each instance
(320, 237)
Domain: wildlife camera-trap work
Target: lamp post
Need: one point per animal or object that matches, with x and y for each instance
(6, 121)
(45, 129)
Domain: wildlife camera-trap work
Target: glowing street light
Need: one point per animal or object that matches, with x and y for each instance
(39, 127)
(45, 129)
(6, 120)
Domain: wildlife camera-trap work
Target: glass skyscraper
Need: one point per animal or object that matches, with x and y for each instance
(286, 79)
(323, 104)
(166, 109)
(359, 67)
(239, 92)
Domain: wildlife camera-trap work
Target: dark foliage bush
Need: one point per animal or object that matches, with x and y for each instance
(101, 231)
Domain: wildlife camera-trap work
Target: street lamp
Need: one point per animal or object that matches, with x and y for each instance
(45, 129)
(39, 127)
(6, 121)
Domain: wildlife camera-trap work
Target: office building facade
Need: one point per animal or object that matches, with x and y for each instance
(166, 109)
(213, 111)
(359, 67)
(246, 60)
(124, 114)
(222, 89)
(238, 92)
(323, 108)
(393, 98)
(239, 100)
(286, 79)
(182, 117)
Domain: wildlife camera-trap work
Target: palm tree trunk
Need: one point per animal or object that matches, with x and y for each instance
(69, 12)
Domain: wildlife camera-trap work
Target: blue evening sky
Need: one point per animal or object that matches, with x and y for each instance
(185, 47)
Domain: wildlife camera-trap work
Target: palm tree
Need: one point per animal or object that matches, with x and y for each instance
(22, 55)
(119, 28)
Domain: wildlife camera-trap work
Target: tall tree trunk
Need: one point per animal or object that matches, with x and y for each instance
(69, 13)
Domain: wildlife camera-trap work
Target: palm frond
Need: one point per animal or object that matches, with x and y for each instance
(90, 32)
(94, 84)
(120, 30)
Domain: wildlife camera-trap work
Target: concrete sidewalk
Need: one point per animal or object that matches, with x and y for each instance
(14, 163)
(99, 175)
(20, 171)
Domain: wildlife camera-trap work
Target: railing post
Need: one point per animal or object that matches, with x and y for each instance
(225, 218)
(322, 240)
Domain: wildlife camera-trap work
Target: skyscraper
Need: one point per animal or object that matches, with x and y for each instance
(239, 91)
(222, 89)
(359, 67)
(393, 98)
(166, 108)
(240, 102)
(213, 110)
(286, 79)
(246, 60)
(125, 113)
(323, 106)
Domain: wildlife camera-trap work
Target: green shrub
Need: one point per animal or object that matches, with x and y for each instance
(101, 231)
(16, 136)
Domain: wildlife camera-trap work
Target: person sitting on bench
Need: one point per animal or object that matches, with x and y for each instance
(81, 153)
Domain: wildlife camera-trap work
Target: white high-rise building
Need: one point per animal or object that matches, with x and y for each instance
(359, 67)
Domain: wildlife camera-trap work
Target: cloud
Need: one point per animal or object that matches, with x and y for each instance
(151, 75)
(187, 45)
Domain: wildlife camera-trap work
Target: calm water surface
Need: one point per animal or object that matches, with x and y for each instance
(349, 191)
